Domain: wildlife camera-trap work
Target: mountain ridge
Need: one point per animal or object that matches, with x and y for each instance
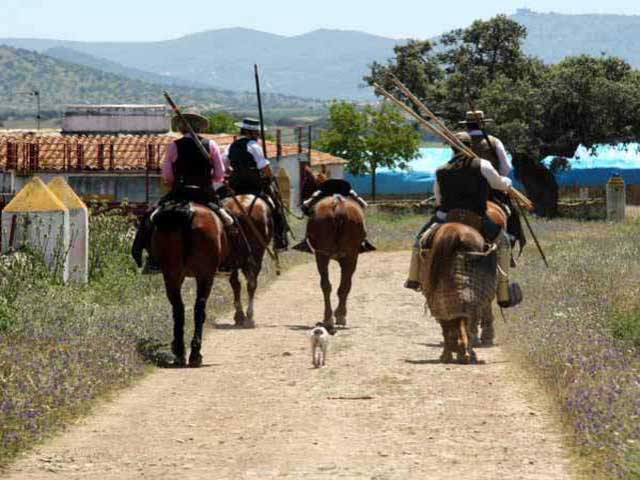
(326, 63)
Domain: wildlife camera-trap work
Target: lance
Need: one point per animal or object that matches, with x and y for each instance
(274, 183)
(520, 210)
(206, 155)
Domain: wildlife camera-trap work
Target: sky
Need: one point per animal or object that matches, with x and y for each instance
(148, 20)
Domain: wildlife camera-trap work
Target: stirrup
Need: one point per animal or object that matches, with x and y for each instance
(303, 246)
(151, 267)
(413, 285)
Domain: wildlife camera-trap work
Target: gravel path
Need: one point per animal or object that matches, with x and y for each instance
(257, 410)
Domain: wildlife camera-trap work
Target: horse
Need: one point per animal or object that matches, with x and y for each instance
(460, 333)
(251, 265)
(192, 246)
(336, 231)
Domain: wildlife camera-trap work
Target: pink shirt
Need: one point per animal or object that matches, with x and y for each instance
(170, 158)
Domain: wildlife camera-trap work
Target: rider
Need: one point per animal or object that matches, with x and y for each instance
(494, 151)
(463, 185)
(189, 176)
(251, 174)
(324, 187)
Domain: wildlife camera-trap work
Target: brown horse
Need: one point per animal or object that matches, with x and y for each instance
(452, 238)
(250, 264)
(194, 249)
(336, 231)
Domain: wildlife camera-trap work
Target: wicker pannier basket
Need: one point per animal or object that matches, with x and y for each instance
(469, 283)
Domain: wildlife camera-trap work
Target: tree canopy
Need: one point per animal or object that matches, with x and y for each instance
(369, 138)
(539, 110)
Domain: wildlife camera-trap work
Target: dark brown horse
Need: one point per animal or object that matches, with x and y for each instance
(194, 249)
(439, 283)
(250, 264)
(336, 231)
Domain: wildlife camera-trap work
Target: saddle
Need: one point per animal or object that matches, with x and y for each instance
(172, 215)
(483, 225)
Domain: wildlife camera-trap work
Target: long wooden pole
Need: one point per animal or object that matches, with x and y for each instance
(517, 203)
(206, 155)
(445, 134)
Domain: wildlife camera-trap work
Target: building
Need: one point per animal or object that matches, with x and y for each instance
(118, 168)
(116, 119)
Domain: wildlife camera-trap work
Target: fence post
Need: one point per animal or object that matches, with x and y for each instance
(279, 144)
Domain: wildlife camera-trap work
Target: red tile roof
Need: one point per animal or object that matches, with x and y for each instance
(27, 152)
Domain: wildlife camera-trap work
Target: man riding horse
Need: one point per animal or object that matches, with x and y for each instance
(462, 188)
(250, 173)
(190, 177)
(323, 187)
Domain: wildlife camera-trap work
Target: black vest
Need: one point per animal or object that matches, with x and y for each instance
(462, 186)
(191, 168)
(240, 158)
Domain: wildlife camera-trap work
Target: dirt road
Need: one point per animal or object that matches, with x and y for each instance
(259, 411)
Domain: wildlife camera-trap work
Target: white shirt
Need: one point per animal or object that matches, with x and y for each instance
(254, 148)
(495, 180)
(503, 158)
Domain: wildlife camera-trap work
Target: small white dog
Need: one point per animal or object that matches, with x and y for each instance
(319, 337)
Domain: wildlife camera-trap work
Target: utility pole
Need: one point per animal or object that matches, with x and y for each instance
(36, 94)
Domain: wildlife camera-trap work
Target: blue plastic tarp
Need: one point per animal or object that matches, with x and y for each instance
(587, 170)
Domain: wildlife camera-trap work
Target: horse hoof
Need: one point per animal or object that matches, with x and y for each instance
(342, 321)
(249, 325)
(179, 362)
(446, 358)
(195, 361)
(239, 319)
(488, 342)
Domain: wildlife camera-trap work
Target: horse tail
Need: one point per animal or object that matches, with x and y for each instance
(445, 245)
(339, 218)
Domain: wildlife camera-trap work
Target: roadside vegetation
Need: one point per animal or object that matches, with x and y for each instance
(578, 330)
(61, 347)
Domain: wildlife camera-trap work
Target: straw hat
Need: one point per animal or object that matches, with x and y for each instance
(197, 122)
(250, 124)
(476, 117)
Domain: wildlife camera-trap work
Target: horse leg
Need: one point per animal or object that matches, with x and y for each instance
(174, 294)
(251, 274)
(199, 316)
(447, 352)
(347, 268)
(464, 346)
(486, 322)
(322, 262)
(234, 280)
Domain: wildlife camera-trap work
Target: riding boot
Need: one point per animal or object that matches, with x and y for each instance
(353, 194)
(413, 280)
(367, 246)
(142, 242)
(508, 295)
(309, 203)
(280, 240)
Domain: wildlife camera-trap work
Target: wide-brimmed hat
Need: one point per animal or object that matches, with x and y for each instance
(475, 116)
(249, 124)
(197, 122)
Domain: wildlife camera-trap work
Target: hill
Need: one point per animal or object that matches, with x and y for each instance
(553, 36)
(320, 64)
(62, 83)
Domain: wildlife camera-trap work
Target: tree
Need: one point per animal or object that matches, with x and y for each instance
(539, 110)
(370, 138)
(221, 122)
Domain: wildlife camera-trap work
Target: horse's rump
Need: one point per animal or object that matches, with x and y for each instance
(337, 226)
(459, 273)
(255, 207)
